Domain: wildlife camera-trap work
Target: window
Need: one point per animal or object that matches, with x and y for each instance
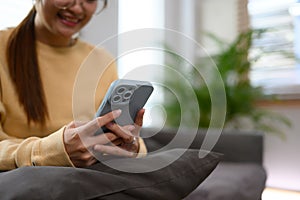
(13, 11)
(134, 17)
(276, 70)
(138, 15)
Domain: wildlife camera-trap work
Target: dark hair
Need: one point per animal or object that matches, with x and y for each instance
(23, 67)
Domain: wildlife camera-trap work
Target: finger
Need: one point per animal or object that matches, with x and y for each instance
(122, 132)
(75, 124)
(113, 150)
(133, 147)
(138, 122)
(139, 117)
(91, 127)
(127, 128)
(117, 142)
(83, 159)
(105, 119)
(92, 161)
(106, 138)
(78, 123)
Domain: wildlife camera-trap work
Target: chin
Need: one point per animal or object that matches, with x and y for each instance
(67, 33)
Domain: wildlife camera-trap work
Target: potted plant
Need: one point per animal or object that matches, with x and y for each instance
(234, 65)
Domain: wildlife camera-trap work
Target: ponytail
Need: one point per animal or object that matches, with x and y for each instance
(24, 70)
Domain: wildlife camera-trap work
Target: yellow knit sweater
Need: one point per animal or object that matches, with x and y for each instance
(75, 81)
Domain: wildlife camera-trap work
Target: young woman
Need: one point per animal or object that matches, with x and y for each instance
(39, 62)
(46, 119)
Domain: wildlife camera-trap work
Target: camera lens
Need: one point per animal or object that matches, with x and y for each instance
(116, 98)
(127, 95)
(120, 90)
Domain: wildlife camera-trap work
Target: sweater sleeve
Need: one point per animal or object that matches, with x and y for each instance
(31, 151)
(143, 149)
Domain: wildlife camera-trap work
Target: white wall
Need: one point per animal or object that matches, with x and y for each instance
(217, 18)
(281, 157)
(181, 28)
(103, 27)
(12, 12)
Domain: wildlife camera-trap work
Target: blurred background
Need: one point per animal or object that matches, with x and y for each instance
(258, 41)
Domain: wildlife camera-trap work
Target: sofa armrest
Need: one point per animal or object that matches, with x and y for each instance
(237, 146)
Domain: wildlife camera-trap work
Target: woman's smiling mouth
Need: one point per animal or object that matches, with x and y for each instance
(69, 20)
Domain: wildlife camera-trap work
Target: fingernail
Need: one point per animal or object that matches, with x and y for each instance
(131, 154)
(96, 147)
(131, 128)
(117, 113)
(129, 139)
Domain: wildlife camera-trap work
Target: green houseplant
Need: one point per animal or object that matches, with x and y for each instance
(233, 64)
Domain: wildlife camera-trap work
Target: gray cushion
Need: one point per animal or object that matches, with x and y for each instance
(174, 181)
(232, 181)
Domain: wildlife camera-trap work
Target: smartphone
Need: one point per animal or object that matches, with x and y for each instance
(128, 95)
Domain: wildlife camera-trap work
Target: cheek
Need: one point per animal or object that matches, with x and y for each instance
(87, 19)
(43, 18)
(90, 11)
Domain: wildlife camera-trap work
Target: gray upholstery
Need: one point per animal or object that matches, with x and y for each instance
(240, 175)
(236, 146)
(234, 181)
(99, 181)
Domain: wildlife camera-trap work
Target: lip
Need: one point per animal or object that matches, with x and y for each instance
(68, 20)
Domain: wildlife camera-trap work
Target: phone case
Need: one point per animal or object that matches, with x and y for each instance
(128, 95)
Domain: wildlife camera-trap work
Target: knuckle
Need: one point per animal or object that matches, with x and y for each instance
(110, 137)
(81, 148)
(71, 125)
(86, 157)
(76, 136)
(128, 138)
(99, 121)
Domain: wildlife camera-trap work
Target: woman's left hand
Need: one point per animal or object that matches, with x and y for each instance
(134, 130)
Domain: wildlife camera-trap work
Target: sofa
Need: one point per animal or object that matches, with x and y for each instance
(239, 176)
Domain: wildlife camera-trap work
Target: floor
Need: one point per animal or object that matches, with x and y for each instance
(278, 194)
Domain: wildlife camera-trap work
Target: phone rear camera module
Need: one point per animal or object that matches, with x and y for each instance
(127, 95)
(116, 99)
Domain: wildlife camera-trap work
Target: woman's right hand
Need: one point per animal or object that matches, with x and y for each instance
(80, 139)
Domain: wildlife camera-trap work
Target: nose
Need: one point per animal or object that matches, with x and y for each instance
(78, 6)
